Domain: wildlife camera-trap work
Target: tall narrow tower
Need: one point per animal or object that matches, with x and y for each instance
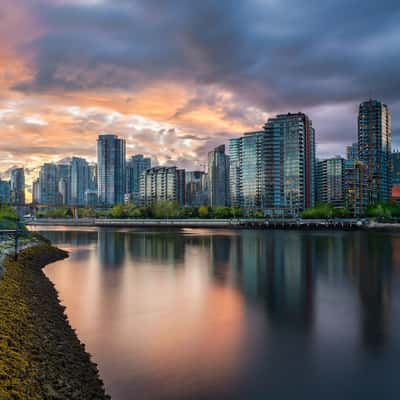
(374, 149)
(111, 169)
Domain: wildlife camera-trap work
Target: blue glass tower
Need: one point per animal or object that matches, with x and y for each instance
(374, 149)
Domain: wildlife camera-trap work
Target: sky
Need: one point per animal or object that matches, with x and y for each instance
(176, 78)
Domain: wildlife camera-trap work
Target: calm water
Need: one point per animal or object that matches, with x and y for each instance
(212, 314)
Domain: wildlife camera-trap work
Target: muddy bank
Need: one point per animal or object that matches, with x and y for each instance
(40, 354)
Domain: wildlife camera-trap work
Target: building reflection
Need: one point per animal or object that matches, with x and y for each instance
(161, 247)
(374, 287)
(111, 248)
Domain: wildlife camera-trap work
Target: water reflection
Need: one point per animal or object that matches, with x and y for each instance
(204, 314)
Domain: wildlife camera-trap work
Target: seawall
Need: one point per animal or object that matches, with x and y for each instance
(41, 356)
(243, 223)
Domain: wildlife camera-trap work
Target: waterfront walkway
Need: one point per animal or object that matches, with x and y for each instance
(207, 223)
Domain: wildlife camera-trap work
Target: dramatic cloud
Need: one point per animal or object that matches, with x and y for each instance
(177, 77)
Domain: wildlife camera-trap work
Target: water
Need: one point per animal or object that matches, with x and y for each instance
(218, 314)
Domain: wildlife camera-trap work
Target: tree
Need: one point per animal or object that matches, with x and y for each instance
(118, 211)
(204, 211)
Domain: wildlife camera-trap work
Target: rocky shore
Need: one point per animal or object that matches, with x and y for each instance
(41, 356)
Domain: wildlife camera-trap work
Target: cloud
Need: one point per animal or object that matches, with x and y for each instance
(177, 78)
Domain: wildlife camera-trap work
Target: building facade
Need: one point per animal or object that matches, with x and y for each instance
(196, 191)
(330, 181)
(374, 149)
(354, 185)
(48, 185)
(160, 184)
(5, 192)
(111, 169)
(17, 186)
(290, 164)
(80, 180)
(135, 166)
(352, 152)
(218, 177)
(247, 168)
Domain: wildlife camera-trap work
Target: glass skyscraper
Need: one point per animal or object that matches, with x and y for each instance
(374, 149)
(48, 185)
(18, 186)
(111, 169)
(80, 180)
(218, 177)
(5, 192)
(290, 163)
(135, 166)
(247, 170)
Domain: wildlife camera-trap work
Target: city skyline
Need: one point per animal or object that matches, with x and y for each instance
(176, 92)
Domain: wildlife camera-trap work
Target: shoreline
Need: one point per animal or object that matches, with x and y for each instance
(290, 224)
(40, 354)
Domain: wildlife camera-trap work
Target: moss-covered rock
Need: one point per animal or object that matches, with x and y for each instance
(40, 354)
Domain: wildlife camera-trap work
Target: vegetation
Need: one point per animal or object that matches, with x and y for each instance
(383, 211)
(169, 209)
(325, 211)
(8, 217)
(40, 355)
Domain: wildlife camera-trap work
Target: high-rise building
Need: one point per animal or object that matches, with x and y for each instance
(110, 169)
(374, 149)
(18, 186)
(80, 180)
(5, 192)
(352, 152)
(64, 183)
(355, 196)
(36, 191)
(134, 169)
(330, 181)
(93, 176)
(160, 184)
(290, 164)
(218, 177)
(396, 168)
(247, 170)
(196, 188)
(48, 185)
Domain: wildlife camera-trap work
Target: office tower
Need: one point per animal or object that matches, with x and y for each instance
(64, 183)
(290, 164)
(36, 191)
(247, 170)
(159, 184)
(63, 191)
(80, 180)
(93, 176)
(352, 152)
(18, 186)
(374, 149)
(134, 169)
(196, 188)
(355, 194)
(330, 181)
(5, 192)
(110, 169)
(218, 177)
(181, 187)
(48, 185)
